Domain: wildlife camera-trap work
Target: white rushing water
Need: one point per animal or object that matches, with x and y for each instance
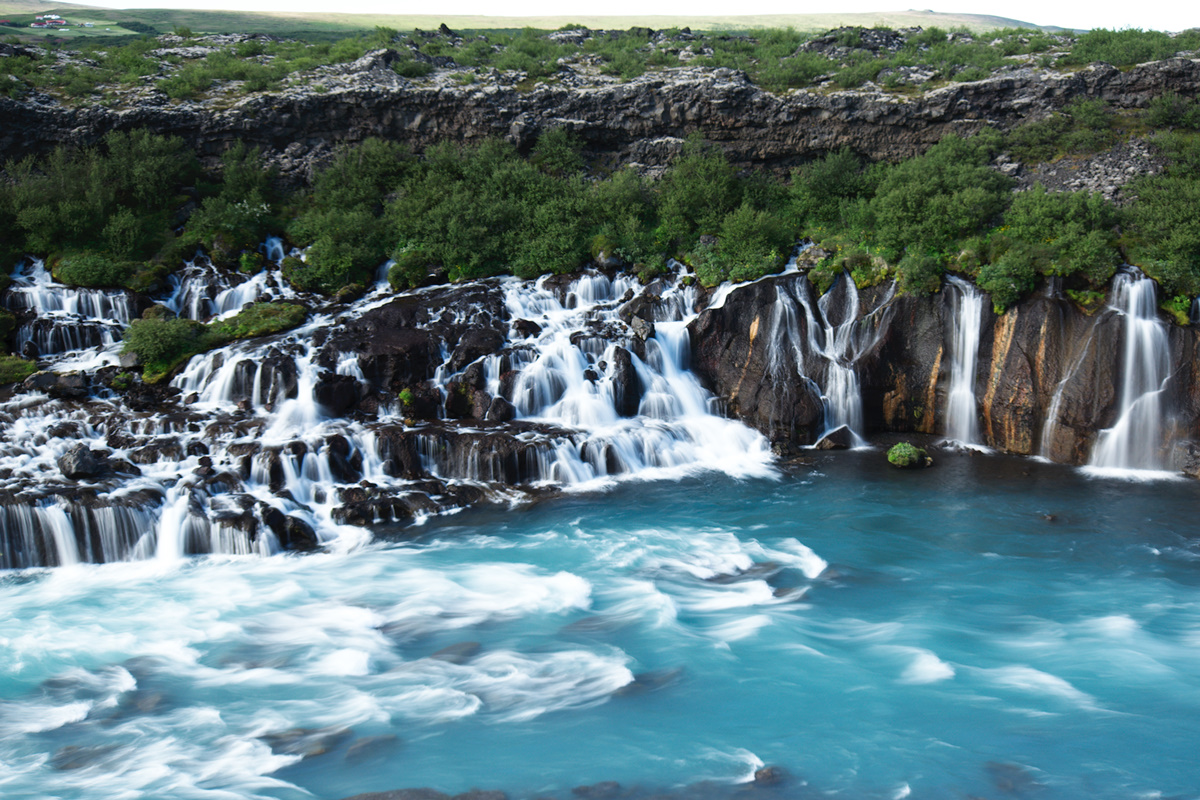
(1135, 441)
(597, 403)
(966, 319)
(825, 338)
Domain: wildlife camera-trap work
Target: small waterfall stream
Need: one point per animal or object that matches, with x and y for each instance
(825, 338)
(962, 418)
(1135, 440)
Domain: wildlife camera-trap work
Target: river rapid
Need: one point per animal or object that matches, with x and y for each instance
(993, 627)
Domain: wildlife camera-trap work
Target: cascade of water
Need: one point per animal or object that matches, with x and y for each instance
(1135, 440)
(962, 421)
(585, 382)
(67, 318)
(599, 384)
(833, 340)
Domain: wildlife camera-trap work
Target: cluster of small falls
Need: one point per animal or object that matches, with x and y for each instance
(245, 454)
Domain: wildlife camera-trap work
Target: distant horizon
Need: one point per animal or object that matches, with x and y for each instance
(1154, 15)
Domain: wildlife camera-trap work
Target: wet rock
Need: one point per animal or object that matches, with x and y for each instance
(732, 355)
(344, 462)
(501, 410)
(337, 393)
(78, 757)
(474, 344)
(641, 328)
(83, 462)
(840, 438)
(459, 653)
(168, 450)
(372, 748)
(65, 385)
(402, 794)
(627, 387)
(527, 328)
(652, 681)
(769, 776)
(605, 790)
(291, 532)
(1191, 460)
(305, 742)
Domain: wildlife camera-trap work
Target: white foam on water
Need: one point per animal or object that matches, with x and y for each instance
(924, 667)
(1035, 681)
(734, 766)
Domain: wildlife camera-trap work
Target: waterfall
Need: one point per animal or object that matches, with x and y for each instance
(966, 318)
(833, 340)
(1135, 440)
(67, 319)
(243, 456)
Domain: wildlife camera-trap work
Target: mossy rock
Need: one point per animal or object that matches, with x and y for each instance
(149, 278)
(908, 456)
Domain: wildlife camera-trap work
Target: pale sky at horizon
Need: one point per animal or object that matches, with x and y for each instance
(1154, 14)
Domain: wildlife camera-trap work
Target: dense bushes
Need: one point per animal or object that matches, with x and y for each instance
(114, 199)
(1129, 46)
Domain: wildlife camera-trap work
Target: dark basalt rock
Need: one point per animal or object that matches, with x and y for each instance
(372, 748)
(399, 344)
(627, 387)
(730, 349)
(82, 462)
(501, 410)
(305, 742)
(337, 393)
(840, 438)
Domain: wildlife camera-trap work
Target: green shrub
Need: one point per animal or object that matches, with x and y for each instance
(1128, 46)
(161, 342)
(696, 193)
(1171, 110)
(919, 272)
(8, 324)
(1075, 228)
(89, 268)
(255, 320)
(939, 198)
(1010, 276)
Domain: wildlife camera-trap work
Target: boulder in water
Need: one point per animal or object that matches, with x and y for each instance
(305, 742)
(371, 748)
(769, 776)
(83, 462)
(403, 794)
(906, 455)
(840, 438)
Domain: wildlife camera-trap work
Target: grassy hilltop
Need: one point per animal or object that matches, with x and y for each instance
(330, 24)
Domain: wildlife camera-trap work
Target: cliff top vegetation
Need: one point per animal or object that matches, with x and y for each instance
(184, 66)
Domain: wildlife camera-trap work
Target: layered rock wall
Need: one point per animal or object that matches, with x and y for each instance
(639, 121)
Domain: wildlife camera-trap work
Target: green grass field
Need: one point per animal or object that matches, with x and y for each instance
(334, 24)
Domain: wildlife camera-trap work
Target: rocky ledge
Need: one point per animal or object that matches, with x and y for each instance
(642, 121)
